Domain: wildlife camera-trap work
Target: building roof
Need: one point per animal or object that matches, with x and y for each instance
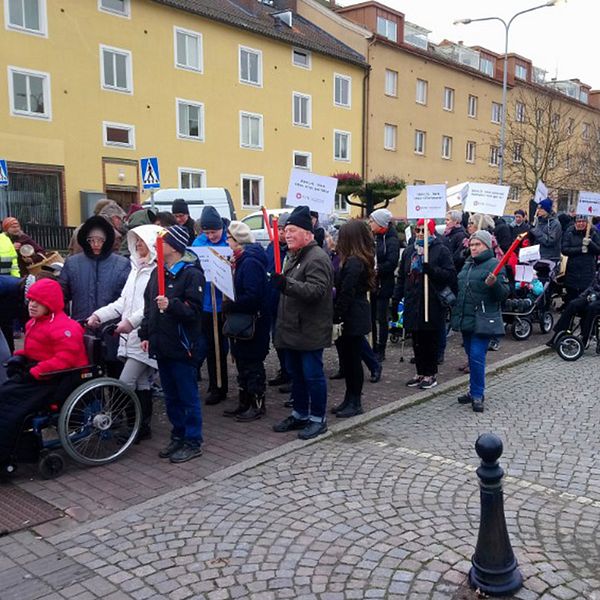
(261, 20)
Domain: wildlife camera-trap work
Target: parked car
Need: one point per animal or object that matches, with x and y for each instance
(196, 199)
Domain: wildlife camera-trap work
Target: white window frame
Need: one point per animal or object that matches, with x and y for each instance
(488, 62)
(195, 103)
(308, 156)
(43, 13)
(448, 99)
(393, 129)
(348, 134)
(128, 70)
(471, 152)
(521, 72)
(472, 103)
(423, 88)
(519, 112)
(249, 145)
(261, 190)
(348, 79)
(419, 148)
(194, 34)
(126, 14)
(385, 30)
(340, 205)
(46, 90)
(392, 93)
(307, 125)
(192, 171)
(255, 51)
(447, 147)
(108, 144)
(494, 156)
(308, 55)
(499, 110)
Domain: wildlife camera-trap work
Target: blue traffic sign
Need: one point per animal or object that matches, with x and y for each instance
(3, 172)
(150, 173)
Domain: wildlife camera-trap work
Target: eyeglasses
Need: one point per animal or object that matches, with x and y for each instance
(95, 240)
(419, 230)
(470, 223)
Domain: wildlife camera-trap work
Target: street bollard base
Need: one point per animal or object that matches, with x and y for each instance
(496, 583)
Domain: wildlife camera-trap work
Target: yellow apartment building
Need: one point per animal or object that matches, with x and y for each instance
(226, 94)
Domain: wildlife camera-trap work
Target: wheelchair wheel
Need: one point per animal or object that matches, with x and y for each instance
(51, 465)
(569, 347)
(99, 421)
(520, 329)
(394, 338)
(546, 322)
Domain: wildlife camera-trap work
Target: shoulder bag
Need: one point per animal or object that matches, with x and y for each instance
(488, 323)
(239, 326)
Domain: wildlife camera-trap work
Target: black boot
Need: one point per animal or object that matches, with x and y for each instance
(353, 408)
(280, 379)
(255, 411)
(243, 405)
(342, 405)
(145, 432)
(215, 396)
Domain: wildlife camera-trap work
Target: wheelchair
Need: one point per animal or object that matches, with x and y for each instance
(95, 424)
(570, 346)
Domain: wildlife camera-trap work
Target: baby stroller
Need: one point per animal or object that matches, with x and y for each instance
(397, 326)
(531, 303)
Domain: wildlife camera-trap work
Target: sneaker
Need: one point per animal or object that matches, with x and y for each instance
(173, 446)
(415, 381)
(494, 345)
(376, 374)
(290, 424)
(428, 383)
(477, 405)
(312, 430)
(187, 451)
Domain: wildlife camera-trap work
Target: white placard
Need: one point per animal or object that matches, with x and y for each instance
(315, 191)
(456, 194)
(203, 253)
(529, 254)
(221, 273)
(589, 204)
(486, 198)
(426, 201)
(524, 273)
(541, 192)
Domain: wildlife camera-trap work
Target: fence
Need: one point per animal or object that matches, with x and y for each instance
(50, 237)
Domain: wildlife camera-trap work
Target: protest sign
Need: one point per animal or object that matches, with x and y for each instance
(315, 191)
(221, 273)
(203, 253)
(529, 254)
(541, 192)
(524, 273)
(588, 204)
(486, 198)
(456, 194)
(426, 201)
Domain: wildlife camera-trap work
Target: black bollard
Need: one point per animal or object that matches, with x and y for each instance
(494, 569)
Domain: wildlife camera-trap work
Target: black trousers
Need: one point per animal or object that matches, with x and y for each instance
(251, 376)
(425, 345)
(379, 321)
(351, 363)
(211, 359)
(586, 310)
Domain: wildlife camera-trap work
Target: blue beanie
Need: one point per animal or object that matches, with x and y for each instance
(546, 205)
(211, 219)
(177, 237)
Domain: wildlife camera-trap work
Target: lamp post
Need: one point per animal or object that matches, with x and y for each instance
(505, 72)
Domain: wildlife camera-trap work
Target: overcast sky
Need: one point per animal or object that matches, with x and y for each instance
(561, 39)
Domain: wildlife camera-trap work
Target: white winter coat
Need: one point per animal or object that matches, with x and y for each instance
(130, 304)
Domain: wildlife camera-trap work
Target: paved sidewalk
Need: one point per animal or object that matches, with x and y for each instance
(389, 510)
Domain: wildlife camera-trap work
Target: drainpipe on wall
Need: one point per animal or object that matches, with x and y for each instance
(365, 124)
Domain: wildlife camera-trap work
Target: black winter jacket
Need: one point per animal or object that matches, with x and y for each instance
(581, 267)
(351, 305)
(516, 230)
(502, 234)
(388, 253)
(454, 242)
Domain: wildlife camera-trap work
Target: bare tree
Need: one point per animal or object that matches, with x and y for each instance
(590, 160)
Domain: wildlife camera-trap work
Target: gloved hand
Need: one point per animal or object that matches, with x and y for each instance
(279, 281)
(17, 360)
(592, 298)
(585, 245)
(586, 241)
(337, 331)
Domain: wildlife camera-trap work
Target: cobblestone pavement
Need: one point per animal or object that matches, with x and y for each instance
(84, 493)
(387, 510)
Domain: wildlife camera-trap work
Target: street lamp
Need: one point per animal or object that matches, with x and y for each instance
(505, 72)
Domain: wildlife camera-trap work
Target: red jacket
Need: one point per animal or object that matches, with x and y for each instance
(55, 341)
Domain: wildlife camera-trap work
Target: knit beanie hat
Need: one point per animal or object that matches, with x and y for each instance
(180, 207)
(546, 205)
(240, 232)
(485, 237)
(381, 216)
(430, 225)
(211, 219)
(300, 217)
(520, 211)
(283, 219)
(9, 222)
(177, 237)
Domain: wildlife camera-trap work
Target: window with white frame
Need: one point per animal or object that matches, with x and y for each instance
(115, 66)
(521, 72)
(446, 147)
(342, 90)
(190, 119)
(251, 130)
(419, 141)
(390, 134)
(391, 82)
(496, 112)
(302, 160)
(520, 112)
(341, 145)
(340, 204)
(250, 66)
(494, 155)
(486, 66)
(472, 106)
(421, 95)
(188, 49)
(387, 28)
(448, 98)
(301, 110)
(29, 93)
(118, 134)
(117, 7)
(517, 153)
(514, 194)
(192, 178)
(585, 131)
(301, 58)
(471, 151)
(26, 15)
(252, 191)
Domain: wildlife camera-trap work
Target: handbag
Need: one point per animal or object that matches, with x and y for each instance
(240, 326)
(488, 323)
(446, 297)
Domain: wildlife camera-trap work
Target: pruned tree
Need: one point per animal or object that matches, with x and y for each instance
(589, 167)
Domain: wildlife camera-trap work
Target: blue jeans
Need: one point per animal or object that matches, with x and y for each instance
(182, 400)
(309, 386)
(368, 356)
(476, 347)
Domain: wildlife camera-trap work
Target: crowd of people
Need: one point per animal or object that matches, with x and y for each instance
(334, 286)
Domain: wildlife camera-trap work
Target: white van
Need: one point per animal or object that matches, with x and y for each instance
(196, 199)
(256, 223)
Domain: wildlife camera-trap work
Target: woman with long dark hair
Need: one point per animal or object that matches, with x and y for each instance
(356, 251)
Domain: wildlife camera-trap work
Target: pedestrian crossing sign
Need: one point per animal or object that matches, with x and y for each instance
(150, 173)
(3, 172)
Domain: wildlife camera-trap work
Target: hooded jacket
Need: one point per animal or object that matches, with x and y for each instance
(388, 253)
(108, 210)
(54, 340)
(547, 233)
(130, 304)
(203, 241)
(581, 267)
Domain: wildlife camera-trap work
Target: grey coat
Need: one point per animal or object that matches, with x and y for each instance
(547, 233)
(305, 312)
